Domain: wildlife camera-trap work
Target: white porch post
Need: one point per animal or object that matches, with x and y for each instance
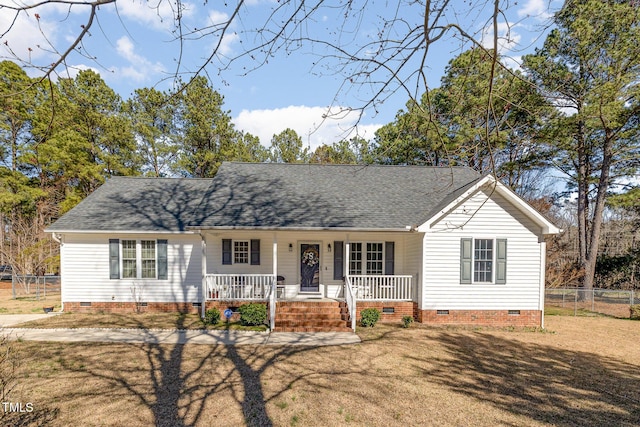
(274, 288)
(203, 254)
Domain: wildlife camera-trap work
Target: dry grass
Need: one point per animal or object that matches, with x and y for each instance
(581, 371)
(26, 304)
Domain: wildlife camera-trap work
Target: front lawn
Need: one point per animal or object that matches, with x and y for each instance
(579, 371)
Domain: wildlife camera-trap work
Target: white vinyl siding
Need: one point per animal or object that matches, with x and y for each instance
(485, 215)
(85, 270)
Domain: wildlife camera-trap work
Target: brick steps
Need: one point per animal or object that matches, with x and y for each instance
(312, 316)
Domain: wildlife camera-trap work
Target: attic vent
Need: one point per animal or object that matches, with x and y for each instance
(85, 304)
(514, 312)
(442, 312)
(388, 310)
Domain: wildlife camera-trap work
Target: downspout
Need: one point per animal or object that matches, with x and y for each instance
(543, 266)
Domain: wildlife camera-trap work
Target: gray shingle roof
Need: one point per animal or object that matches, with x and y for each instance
(137, 204)
(248, 195)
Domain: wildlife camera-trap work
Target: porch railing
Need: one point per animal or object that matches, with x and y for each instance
(382, 288)
(239, 286)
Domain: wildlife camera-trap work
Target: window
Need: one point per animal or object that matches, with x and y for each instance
(138, 259)
(483, 260)
(148, 259)
(369, 258)
(374, 258)
(240, 252)
(129, 261)
(355, 260)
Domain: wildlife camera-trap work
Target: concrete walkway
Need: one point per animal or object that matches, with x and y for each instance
(170, 336)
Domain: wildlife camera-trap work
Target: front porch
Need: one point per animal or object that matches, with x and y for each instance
(311, 311)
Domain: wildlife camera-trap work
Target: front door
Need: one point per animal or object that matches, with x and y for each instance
(309, 267)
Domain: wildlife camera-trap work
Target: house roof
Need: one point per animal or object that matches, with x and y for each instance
(276, 196)
(137, 204)
(313, 196)
(259, 195)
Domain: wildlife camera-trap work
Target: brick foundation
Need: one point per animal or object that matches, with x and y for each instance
(526, 318)
(130, 307)
(529, 318)
(400, 309)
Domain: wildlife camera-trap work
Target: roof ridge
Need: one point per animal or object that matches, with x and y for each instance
(377, 165)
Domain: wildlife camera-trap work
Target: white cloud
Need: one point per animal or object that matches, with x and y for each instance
(308, 123)
(24, 38)
(139, 67)
(217, 20)
(508, 38)
(535, 8)
(158, 15)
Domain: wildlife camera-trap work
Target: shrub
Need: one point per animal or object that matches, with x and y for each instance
(369, 317)
(407, 321)
(253, 314)
(212, 316)
(635, 312)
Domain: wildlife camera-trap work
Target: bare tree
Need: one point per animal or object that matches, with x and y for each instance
(372, 66)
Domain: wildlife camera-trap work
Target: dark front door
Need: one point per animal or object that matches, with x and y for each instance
(309, 267)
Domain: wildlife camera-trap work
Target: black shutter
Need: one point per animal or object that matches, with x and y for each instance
(255, 251)
(114, 258)
(338, 260)
(389, 260)
(162, 259)
(226, 251)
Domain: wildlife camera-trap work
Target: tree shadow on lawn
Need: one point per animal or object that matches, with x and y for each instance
(195, 384)
(181, 389)
(543, 383)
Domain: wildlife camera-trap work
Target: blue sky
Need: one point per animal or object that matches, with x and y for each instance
(131, 45)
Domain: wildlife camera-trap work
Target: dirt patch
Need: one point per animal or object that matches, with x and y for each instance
(580, 371)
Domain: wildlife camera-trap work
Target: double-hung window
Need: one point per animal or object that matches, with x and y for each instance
(241, 252)
(483, 261)
(137, 259)
(366, 258)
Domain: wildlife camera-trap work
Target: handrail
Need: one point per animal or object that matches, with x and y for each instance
(351, 301)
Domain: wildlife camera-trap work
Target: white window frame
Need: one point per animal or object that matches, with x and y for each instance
(492, 260)
(247, 253)
(138, 243)
(363, 259)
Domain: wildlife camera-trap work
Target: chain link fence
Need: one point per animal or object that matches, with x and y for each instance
(35, 286)
(615, 303)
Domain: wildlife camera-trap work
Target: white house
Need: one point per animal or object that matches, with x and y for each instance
(444, 245)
